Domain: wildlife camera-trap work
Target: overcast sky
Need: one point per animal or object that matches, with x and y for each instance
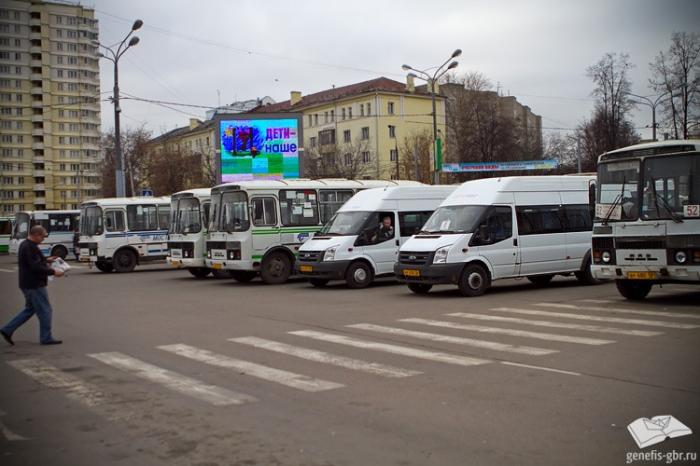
(193, 51)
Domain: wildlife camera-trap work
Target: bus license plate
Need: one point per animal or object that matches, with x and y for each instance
(411, 273)
(216, 266)
(177, 253)
(84, 252)
(641, 275)
(176, 263)
(306, 268)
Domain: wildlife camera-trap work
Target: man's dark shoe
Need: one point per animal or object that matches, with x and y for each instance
(53, 342)
(8, 338)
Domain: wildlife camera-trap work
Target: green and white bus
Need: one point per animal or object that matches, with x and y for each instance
(257, 227)
(5, 233)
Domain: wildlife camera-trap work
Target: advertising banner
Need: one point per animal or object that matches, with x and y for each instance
(258, 147)
(499, 166)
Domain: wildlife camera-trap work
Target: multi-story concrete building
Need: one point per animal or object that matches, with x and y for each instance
(364, 122)
(49, 105)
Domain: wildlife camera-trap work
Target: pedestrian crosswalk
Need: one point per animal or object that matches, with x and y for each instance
(452, 339)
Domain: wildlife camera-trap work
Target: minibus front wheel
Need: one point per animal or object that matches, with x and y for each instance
(474, 280)
(419, 288)
(359, 275)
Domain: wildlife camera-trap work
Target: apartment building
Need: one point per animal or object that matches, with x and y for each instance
(364, 122)
(49, 105)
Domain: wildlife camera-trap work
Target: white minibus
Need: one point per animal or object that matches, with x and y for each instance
(61, 226)
(361, 241)
(488, 229)
(258, 226)
(120, 233)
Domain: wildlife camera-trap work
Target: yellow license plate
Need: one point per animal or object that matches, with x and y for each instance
(641, 275)
(216, 266)
(411, 273)
(176, 263)
(306, 268)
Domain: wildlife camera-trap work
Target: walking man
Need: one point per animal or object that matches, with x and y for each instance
(33, 273)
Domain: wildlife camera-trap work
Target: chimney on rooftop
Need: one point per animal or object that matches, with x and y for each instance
(410, 84)
(295, 97)
(194, 123)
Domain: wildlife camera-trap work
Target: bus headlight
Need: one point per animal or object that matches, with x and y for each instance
(329, 254)
(441, 255)
(681, 257)
(606, 257)
(209, 254)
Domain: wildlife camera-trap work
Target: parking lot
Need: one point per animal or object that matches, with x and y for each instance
(160, 368)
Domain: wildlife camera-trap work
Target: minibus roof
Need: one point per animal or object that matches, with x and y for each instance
(197, 192)
(305, 183)
(119, 201)
(373, 199)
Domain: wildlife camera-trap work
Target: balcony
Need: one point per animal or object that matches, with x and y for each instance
(39, 200)
(37, 104)
(37, 90)
(36, 77)
(37, 131)
(38, 145)
(39, 187)
(36, 118)
(35, 62)
(40, 173)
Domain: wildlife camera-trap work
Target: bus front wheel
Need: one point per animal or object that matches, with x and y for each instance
(276, 268)
(199, 272)
(633, 289)
(104, 266)
(419, 288)
(59, 251)
(474, 280)
(124, 261)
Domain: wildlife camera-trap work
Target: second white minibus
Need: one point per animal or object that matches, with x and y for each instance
(61, 225)
(488, 229)
(361, 241)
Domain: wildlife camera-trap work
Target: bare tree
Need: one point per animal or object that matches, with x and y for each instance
(172, 169)
(677, 73)
(351, 160)
(563, 149)
(134, 149)
(415, 153)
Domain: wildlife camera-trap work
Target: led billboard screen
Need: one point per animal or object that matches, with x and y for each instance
(255, 148)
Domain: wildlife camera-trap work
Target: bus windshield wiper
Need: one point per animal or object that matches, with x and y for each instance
(618, 200)
(664, 202)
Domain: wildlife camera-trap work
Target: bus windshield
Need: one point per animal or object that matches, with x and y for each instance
(21, 226)
(91, 221)
(345, 223)
(187, 218)
(670, 184)
(454, 219)
(233, 214)
(618, 187)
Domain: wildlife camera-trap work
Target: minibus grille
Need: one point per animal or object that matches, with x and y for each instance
(310, 256)
(640, 243)
(216, 245)
(416, 258)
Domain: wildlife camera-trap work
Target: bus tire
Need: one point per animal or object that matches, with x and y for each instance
(633, 289)
(540, 280)
(585, 276)
(59, 251)
(220, 274)
(276, 268)
(474, 280)
(419, 288)
(318, 282)
(243, 276)
(124, 260)
(358, 275)
(104, 266)
(198, 272)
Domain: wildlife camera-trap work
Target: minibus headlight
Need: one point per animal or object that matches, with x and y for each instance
(441, 255)
(681, 257)
(606, 256)
(209, 254)
(329, 254)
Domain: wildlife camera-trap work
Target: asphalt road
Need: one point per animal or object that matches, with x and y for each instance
(148, 373)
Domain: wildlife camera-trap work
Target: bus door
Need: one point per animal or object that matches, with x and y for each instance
(264, 229)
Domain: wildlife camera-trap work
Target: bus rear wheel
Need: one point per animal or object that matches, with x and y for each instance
(59, 251)
(419, 288)
(243, 276)
(124, 261)
(198, 272)
(276, 268)
(104, 266)
(633, 289)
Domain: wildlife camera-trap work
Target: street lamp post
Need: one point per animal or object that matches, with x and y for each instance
(651, 103)
(431, 81)
(114, 58)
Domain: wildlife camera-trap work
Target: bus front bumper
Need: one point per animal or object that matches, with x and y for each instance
(233, 264)
(429, 274)
(186, 263)
(328, 270)
(671, 273)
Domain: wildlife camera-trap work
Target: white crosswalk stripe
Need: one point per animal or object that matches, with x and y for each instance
(596, 301)
(393, 349)
(212, 394)
(548, 369)
(546, 323)
(509, 331)
(490, 345)
(270, 374)
(613, 310)
(567, 315)
(326, 358)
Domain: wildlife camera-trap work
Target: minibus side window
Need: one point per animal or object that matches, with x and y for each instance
(496, 227)
(410, 223)
(378, 228)
(263, 211)
(298, 207)
(114, 220)
(539, 220)
(578, 217)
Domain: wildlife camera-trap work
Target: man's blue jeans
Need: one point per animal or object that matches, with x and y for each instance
(36, 302)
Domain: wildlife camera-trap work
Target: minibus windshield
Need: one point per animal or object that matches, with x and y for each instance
(454, 219)
(345, 224)
(91, 221)
(187, 217)
(21, 226)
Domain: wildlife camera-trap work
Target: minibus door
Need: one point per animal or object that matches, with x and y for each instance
(496, 241)
(379, 241)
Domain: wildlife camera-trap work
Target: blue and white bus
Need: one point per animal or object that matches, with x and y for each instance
(121, 233)
(61, 226)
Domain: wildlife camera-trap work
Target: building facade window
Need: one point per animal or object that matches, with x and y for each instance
(346, 135)
(365, 132)
(390, 108)
(365, 157)
(392, 131)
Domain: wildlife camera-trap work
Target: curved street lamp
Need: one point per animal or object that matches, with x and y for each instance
(650, 103)
(431, 80)
(114, 56)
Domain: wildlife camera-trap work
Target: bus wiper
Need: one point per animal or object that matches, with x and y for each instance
(618, 200)
(664, 202)
(424, 232)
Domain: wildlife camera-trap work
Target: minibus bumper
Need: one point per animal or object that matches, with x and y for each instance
(429, 274)
(328, 270)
